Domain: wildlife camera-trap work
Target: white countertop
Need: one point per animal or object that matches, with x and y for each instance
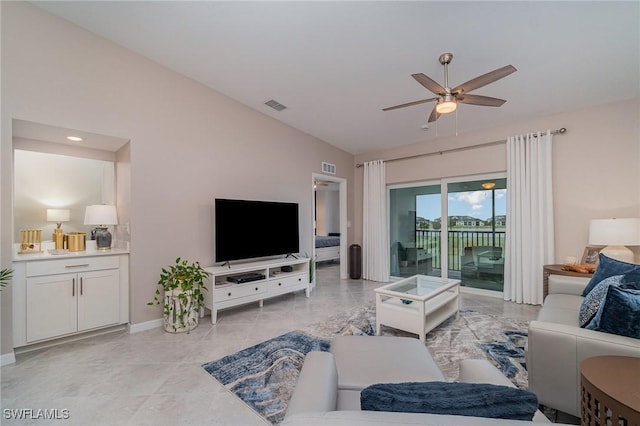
(45, 254)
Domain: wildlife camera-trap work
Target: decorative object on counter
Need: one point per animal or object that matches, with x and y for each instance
(101, 216)
(582, 268)
(570, 260)
(616, 234)
(76, 241)
(5, 277)
(58, 216)
(183, 297)
(590, 256)
(30, 241)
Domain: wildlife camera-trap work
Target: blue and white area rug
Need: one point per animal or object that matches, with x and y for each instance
(264, 375)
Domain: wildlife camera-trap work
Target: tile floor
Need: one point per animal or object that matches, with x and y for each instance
(155, 378)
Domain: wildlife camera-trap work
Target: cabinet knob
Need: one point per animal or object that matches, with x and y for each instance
(299, 279)
(279, 283)
(256, 288)
(229, 294)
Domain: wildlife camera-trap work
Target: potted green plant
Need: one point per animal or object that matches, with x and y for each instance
(5, 276)
(181, 295)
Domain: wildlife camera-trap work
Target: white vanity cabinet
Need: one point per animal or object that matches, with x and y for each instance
(64, 296)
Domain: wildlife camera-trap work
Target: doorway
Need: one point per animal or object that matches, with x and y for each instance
(329, 221)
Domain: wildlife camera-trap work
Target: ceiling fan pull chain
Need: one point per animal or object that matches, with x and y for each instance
(456, 121)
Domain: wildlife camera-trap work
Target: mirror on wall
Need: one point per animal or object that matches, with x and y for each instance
(53, 172)
(45, 181)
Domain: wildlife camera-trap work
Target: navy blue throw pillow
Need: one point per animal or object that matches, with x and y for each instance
(620, 312)
(453, 398)
(632, 279)
(608, 267)
(593, 300)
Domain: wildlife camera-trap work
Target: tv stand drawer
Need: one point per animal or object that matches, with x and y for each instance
(287, 282)
(239, 290)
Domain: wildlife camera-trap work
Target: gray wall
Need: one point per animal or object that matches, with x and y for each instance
(188, 144)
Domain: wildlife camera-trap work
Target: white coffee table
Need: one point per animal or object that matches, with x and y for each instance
(417, 304)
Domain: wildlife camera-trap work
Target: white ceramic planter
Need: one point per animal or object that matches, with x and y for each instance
(181, 317)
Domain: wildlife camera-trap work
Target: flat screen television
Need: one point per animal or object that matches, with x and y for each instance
(247, 229)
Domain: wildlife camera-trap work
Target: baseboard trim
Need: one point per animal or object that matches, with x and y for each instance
(6, 359)
(147, 325)
(482, 292)
(70, 338)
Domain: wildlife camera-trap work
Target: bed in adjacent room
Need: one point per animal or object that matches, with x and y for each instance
(327, 247)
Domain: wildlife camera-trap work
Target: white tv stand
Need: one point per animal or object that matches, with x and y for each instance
(225, 294)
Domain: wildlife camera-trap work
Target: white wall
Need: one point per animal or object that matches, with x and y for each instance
(596, 167)
(189, 144)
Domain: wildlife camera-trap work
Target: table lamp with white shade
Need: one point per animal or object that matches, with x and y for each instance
(58, 216)
(616, 234)
(101, 216)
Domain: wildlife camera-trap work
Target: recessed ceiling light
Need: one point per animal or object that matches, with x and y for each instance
(74, 138)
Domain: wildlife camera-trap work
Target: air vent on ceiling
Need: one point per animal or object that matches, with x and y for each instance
(275, 105)
(328, 168)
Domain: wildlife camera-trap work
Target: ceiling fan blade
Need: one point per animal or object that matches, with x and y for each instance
(429, 84)
(480, 100)
(434, 115)
(484, 79)
(410, 104)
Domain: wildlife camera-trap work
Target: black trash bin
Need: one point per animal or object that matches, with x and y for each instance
(355, 261)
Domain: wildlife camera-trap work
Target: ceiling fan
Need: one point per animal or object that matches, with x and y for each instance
(448, 98)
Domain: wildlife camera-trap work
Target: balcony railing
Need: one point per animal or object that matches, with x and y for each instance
(430, 240)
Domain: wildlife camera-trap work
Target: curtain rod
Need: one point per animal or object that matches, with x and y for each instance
(560, 131)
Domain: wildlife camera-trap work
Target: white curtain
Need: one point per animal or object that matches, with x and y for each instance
(375, 255)
(529, 235)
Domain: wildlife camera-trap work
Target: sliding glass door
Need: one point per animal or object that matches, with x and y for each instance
(476, 234)
(414, 230)
(468, 245)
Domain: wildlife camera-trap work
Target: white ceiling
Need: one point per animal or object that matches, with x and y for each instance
(335, 65)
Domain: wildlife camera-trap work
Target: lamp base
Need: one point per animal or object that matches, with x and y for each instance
(620, 253)
(103, 239)
(58, 238)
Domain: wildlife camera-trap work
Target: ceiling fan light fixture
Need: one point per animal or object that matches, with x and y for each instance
(446, 105)
(447, 99)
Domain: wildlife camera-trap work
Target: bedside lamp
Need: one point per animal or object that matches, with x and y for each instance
(615, 234)
(58, 216)
(102, 216)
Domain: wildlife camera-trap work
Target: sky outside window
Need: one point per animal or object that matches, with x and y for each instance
(476, 204)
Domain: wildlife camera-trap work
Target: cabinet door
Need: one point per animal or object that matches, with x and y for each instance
(98, 299)
(51, 306)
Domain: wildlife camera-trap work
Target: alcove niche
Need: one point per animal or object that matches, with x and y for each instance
(51, 171)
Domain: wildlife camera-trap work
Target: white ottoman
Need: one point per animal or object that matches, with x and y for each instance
(362, 361)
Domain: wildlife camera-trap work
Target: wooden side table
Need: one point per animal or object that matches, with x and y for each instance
(557, 270)
(610, 391)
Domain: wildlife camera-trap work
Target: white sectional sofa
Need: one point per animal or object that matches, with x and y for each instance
(329, 385)
(557, 345)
